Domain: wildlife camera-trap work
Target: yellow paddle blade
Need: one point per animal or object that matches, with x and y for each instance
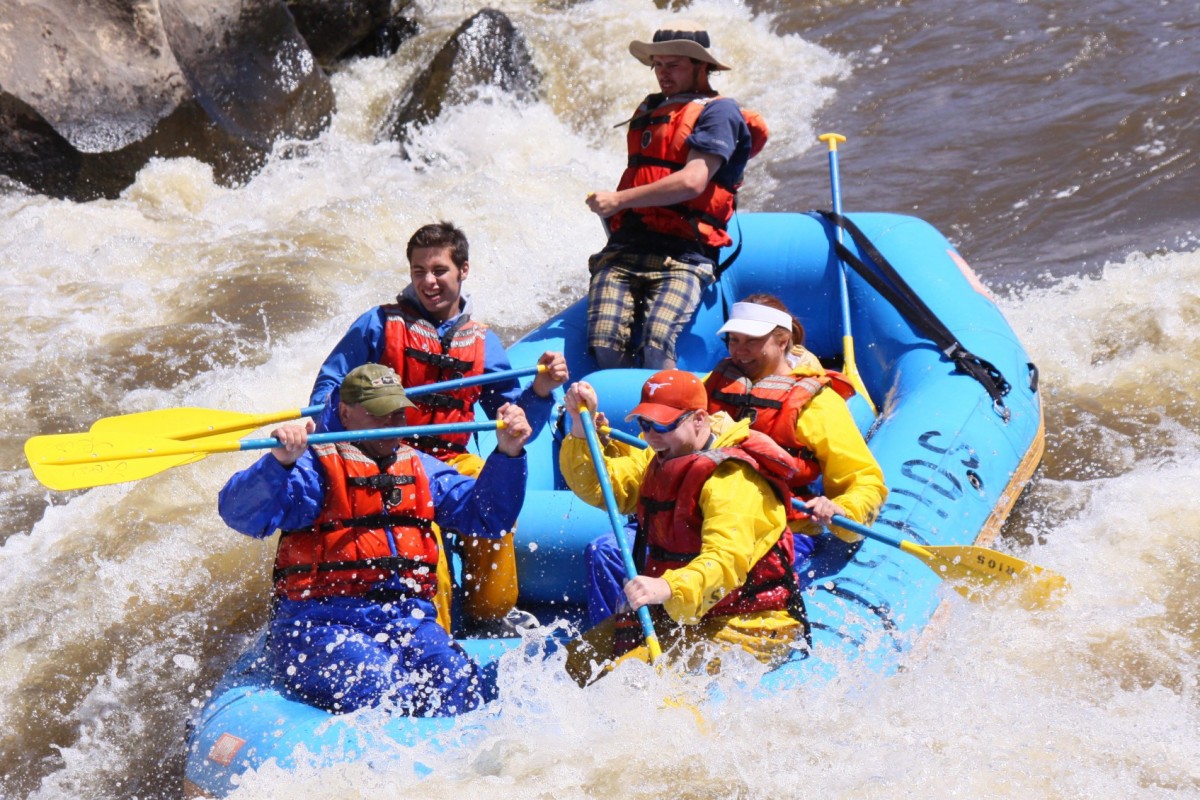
(188, 423)
(975, 570)
(850, 370)
(64, 477)
(81, 460)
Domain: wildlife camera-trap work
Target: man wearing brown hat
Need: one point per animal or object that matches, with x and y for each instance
(688, 148)
(710, 497)
(354, 622)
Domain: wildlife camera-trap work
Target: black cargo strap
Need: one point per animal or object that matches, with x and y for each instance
(393, 564)
(887, 281)
(369, 521)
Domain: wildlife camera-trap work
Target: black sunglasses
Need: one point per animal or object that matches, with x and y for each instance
(649, 425)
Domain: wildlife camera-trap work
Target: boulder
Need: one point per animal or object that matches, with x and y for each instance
(486, 51)
(384, 40)
(90, 91)
(334, 28)
(249, 68)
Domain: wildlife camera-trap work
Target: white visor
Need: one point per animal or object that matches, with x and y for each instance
(754, 320)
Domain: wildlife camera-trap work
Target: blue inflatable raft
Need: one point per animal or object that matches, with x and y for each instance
(959, 433)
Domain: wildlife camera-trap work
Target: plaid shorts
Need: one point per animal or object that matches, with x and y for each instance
(658, 291)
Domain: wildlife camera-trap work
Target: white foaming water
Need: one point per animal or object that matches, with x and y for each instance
(1096, 697)
(120, 606)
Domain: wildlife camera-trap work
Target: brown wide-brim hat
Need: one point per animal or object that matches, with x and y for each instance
(683, 40)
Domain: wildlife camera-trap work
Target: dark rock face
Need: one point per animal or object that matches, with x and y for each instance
(90, 91)
(486, 50)
(384, 40)
(100, 73)
(333, 28)
(248, 68)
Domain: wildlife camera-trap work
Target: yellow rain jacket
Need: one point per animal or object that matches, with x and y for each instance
(852, 477)
(743, 519)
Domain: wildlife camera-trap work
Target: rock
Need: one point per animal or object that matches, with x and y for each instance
(100, 73)
(261, 82)
(384, 40)
(486, 50)
(333, 27)
(90, 91)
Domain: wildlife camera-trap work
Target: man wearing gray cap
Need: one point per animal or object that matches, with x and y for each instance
(355, 574)
(688, 147)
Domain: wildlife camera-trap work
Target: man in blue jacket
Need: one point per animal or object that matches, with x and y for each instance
(427, 335)
(355, 574)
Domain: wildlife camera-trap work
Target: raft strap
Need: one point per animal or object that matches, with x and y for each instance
(887, 281)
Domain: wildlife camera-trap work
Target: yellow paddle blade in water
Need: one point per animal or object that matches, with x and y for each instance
(975, 570)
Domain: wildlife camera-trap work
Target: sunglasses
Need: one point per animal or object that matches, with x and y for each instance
(649, 425)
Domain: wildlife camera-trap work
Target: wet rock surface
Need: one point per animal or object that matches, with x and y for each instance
(486, 51)
(89, 92)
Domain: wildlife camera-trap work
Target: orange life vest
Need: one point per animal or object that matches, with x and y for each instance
(657, 143)
(773, 406)
(670, 518)
(420, 356)
(375, 524)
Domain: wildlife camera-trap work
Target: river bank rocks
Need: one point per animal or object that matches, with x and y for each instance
(89, 92)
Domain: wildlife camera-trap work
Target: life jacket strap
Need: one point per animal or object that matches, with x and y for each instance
(435, 445)
(394, 564)
(440, 360)
(661, 554)
(439, 400)
(369, 521)
(636, 161)
(383, 481)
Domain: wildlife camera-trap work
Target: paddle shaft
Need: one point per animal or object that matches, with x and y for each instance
(183, 424)
(408, 432)
(993, 563)
(850, 365)
(441, 386)
(835, 190)
(610, 504)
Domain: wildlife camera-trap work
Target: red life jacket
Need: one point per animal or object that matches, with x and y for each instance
(375, 524)
(413, 348)
(657, 143)
(773, 406)
(670, 518)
